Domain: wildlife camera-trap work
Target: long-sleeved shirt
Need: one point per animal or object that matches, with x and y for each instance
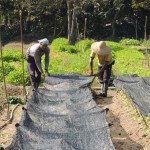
(36, 52)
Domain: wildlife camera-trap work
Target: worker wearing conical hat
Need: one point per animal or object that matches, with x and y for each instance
(105, 62)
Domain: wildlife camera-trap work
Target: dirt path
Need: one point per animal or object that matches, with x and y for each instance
(125, 130)
(6, 134)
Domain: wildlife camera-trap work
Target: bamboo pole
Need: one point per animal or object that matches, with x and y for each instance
(146, 52)
(145, 28)
(21, 31)
(3, 73)
(148, 59)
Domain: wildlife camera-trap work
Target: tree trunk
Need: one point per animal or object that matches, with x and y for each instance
(114, 22)
(113, 25)
(6, 20)
(113, 28)
(28, 22)
(72, 27)
(73, 34)
(69, 18)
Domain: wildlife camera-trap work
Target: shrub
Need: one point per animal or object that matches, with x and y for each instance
(62, 45)
(146, 43)
(15, 77)
(129, 61)
(115, 46)
(84, 45)
(12, 55)
(7, 68)
(130, 42)
(15, 100)
(69, 49)
(58, 43)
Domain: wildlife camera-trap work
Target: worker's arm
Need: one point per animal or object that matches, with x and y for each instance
(37, 59)
(103, 68)
(91, 66)
(47, 59)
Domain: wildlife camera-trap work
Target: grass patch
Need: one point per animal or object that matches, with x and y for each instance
(130, 42)
(62, 45)
(127, 60)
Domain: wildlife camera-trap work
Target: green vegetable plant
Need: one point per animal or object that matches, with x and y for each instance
(15, 100)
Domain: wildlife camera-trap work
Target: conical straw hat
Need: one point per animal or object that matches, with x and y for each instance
(100, 48)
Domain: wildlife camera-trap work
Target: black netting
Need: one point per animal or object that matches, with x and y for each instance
(63, 116)
(138, 89)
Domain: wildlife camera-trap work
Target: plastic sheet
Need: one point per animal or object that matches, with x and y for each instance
(138, 90)
(63, 116)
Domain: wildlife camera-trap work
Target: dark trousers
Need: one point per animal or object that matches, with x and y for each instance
(105, 76)
(34, 73)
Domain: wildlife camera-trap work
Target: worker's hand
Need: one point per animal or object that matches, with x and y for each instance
(90, 72)
(98, 73)
(47, 74)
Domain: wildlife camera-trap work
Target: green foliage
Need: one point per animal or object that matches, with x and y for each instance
(15, 100)
(71, 62)
(68, 62)
(84, 45)
(130, 42)
(57, 43)
(15, 77)
(13, 67)
(129, 61)
(146, 43)
(12, 55)
(62, 45)
(7, 69)
(68, 48)
(115, 46)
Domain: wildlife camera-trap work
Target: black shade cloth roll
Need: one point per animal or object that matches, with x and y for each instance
(63, 116)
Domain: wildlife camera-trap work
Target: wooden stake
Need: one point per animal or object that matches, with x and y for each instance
(3, 74)
(146, 52)
(21, 31)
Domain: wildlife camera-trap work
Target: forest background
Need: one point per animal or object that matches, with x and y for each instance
(75, 19)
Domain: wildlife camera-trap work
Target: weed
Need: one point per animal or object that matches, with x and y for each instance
(15, 100)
